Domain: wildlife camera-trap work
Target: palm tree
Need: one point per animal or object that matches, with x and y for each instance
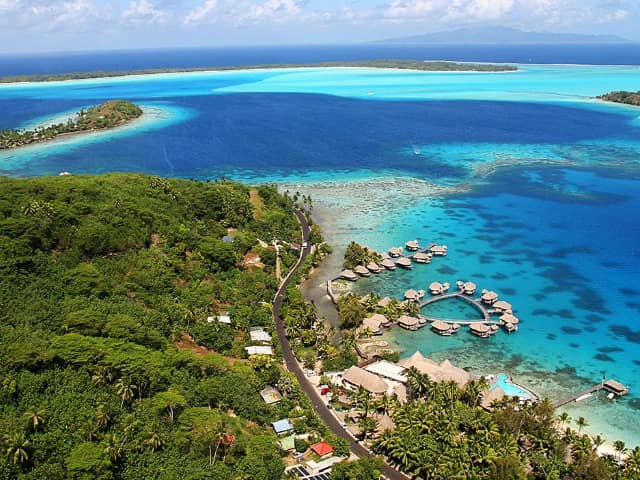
(17, 448)
(632, 464)
(564, 419)
(598, 441)
(36, 417)
(620, 449)
(125, 391)
(113, 446)
(102, 416)
(419, 383)
(581, 423)
(90, 431)
(154, 440)
(362, 397)
(102, 375)
(367, 426)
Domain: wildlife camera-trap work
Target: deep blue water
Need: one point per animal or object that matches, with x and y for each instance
(263, 134)
(592, 54)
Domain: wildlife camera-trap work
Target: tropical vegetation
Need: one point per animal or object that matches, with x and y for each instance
(112, 363)
(629, 98)
(109, 114)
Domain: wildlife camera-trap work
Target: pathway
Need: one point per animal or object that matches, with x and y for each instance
(293, 366)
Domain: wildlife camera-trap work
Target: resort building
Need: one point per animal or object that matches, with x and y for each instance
(374, 323)
(395, 252)
(443, 328)
(509, 322)
(409, 323)
(437, 288)
(356, 377)
(412, 245)
(258, 335)
(468, 288)
(387, 370)
(411, 295)
(348, 275)
(362, 271)
(384, 302)
(373, 267)
(443, 372)
(422, 257)
(489, 297)
(502, 306)
(404, 262)
(480, 329)
(282, 427)
(325, 465)
(270, 395)
(322, 449)
(438, 250)
(493, 395)
(259, 350)
(388, 264)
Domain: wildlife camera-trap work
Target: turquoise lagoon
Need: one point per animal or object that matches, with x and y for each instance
(533, 185)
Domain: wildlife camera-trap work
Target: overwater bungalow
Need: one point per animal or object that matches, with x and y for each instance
(404, 262)
(489, 297)
(438, 250)
(373, 267)
(362, 271)
(411, 295)
(435, 288)
(502, 307)
(395, 252)
(615, 387)
(412, 245)
(442, 328)
(468, 288)
(421, 293)
(408, 323)
(422, 257)
(348, 275)
(373, 324)
(480, 329)
(388, 264)
(509, 322)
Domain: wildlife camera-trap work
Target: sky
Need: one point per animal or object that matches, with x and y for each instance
(71, 25)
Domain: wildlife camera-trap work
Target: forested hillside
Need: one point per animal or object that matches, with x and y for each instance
(105, 287)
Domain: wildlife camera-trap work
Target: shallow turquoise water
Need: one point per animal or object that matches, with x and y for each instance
(509, 388)
(532, 185)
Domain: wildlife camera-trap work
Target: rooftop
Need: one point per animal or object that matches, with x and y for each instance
(282, 426)
(387, 369)
(322, 448)
(360, 377)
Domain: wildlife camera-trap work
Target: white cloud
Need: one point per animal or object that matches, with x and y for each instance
(144, 12)
(203, 13)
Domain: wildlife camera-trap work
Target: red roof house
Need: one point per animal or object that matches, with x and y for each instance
(322, 449)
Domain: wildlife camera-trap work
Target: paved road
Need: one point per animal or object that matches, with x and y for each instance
(293, 366)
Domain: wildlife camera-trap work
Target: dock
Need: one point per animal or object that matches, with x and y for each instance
(486, 314)
(611, 386)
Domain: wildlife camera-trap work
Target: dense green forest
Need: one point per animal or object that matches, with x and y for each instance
(630, 98)
(105, 286)
(109, 114)
(430, 66)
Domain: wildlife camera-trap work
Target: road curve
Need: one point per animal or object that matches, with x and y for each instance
(292, 364)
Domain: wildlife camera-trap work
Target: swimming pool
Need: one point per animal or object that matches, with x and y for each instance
(511, 389)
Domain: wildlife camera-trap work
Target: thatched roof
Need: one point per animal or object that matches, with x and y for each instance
(422, 256)
(491, 396)
(384, 423)
(408, 321)
(373, 267)
(361, 270)
(384, 302)
(411, 294)
(480, 327)
(348, 274)
(441, 326)
(443, 372)
(502, 305)
(489, 296)
(509, 318)
(435, 287)
(388, 263)
(469, 286)
(360, 377)
(403, 262)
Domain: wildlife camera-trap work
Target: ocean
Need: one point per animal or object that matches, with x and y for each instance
(532, 184)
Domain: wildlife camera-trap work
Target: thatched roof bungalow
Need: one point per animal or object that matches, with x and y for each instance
(409, 323)
(404, 262)
(489, 297)
(362, 271)
(422, 257)
(480, 329)
(395, 252)
(502, 306)
(373, 267)
(348, 275)
(388, 264)
(357, 377)
(412, 245)
(444, 372)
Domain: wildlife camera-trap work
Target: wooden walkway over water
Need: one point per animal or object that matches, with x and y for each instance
(486, 314)
(604, 385)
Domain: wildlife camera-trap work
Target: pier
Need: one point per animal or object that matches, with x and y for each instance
(612, 386)
(486, 314)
